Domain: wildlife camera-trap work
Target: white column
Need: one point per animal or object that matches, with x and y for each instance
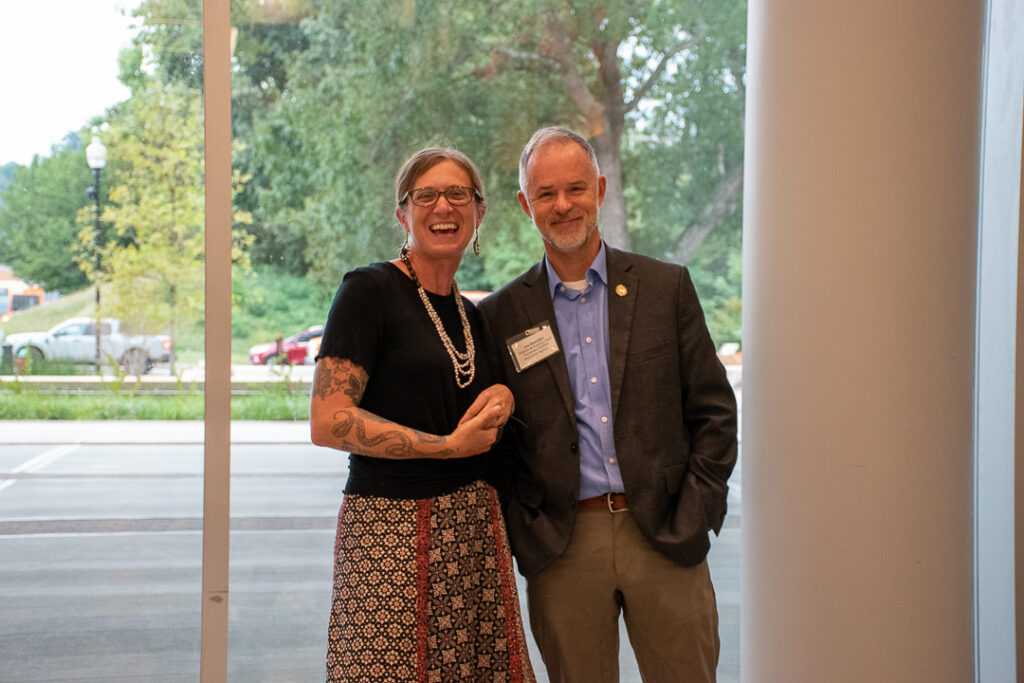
(861, 196)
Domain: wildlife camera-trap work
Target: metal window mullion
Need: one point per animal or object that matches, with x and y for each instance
(217, 448)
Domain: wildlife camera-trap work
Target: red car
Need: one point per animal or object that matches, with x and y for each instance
(292, 351)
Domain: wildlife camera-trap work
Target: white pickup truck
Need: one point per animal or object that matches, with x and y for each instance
(75, 340)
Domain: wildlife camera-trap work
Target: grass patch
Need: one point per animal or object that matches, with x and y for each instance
(18, 402)
(270, 406)
(52, 368)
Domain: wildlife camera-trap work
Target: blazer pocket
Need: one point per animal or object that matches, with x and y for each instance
(674, 475)
(531, 494)
(664, 349)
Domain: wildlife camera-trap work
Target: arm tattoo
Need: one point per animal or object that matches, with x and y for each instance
(332, 376)
(350, 428)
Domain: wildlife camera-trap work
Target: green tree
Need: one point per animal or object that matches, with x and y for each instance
(375, 84)
(657, 86)
(37, 216)
(6, 176)
(332, 95)
(627, 65)
(153, 265)
(266, 38)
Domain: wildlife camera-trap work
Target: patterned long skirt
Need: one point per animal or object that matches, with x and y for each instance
(424, 591)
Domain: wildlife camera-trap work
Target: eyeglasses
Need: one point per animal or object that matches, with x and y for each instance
(457, 195)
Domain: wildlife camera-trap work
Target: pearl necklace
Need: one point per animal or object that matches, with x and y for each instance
(464, 364)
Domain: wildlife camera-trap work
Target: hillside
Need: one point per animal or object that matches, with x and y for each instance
(42, 318)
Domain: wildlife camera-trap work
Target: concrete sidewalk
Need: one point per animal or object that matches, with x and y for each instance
(45, 432)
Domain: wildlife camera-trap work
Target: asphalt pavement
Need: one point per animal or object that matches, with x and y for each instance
(101, 554)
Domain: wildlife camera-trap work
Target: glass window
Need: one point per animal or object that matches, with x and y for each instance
(330, 97)
(76, 330)
(101, 480)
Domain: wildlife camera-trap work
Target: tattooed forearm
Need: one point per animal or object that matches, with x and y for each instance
(430, 438)
(333, 375)
(338, 422)
(349, 421)
(350, 429)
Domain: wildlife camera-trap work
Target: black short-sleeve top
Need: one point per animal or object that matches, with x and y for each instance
(378, 322)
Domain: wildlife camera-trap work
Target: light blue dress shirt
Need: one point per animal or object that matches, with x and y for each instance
(582, 318)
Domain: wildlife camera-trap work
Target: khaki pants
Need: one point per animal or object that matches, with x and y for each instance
(670, 611)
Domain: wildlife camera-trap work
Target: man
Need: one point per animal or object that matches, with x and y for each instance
(626, 439)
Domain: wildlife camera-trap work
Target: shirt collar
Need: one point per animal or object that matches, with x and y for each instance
(598, 268)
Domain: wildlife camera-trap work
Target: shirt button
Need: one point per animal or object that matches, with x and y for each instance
(611, 460)
(583, 299)
(593, 380)
(604, 419)
(589, 340)
(561, 288)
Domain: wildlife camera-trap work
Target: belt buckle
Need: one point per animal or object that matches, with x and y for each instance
(608, 499)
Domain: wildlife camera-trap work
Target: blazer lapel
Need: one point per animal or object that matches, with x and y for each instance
(622, 290)
(537, 305)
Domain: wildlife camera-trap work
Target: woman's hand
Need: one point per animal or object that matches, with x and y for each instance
(476, 434)
(480, 426)
(496, 401)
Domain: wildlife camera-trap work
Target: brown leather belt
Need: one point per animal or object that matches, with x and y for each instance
(612, 502)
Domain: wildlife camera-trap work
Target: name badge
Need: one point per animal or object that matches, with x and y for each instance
(532, 346)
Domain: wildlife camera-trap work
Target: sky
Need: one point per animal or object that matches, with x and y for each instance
(58, 69)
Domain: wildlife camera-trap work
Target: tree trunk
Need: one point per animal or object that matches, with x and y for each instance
(613, 211)
(603, 110)
(722, 203)
(604, 113)
(608, 143)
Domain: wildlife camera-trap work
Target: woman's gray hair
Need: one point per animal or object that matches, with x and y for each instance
(552, 134)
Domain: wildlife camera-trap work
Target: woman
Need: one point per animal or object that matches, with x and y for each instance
(423, 583)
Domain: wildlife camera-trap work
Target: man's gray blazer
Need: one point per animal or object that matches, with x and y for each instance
(673, 412)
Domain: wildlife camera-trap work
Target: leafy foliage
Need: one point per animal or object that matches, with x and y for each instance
(6, 175)
(37, 217)
(269, 301)
(658, 86)
(153, 267)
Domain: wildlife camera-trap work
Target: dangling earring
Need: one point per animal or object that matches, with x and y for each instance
(476, 241)
(403, 253)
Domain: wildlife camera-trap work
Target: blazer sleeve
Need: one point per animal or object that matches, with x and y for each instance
(709, 406)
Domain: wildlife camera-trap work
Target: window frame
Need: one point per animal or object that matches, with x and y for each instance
(213, 658)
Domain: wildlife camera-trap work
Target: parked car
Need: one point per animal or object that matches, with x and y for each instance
(312, 348)
(292, 349)
(75, 340)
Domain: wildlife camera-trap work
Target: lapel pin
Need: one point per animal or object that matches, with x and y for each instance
(621, 290)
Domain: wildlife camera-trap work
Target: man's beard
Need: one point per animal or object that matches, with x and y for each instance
(570, 242)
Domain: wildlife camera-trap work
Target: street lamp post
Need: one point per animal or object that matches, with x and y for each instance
(96, 156)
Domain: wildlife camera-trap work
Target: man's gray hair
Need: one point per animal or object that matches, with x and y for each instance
(548, 135)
